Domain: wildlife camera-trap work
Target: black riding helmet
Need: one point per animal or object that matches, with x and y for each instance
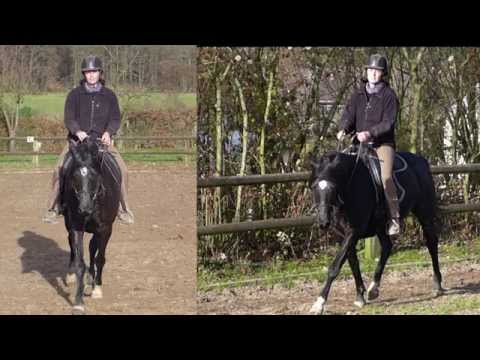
(377, 61)
(92, 63)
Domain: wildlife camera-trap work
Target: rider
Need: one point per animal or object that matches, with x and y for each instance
(371, 113)
(91, 110)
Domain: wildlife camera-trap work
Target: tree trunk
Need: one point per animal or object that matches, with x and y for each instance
(417, 83)
(11, 130)
(261, 152)
(218, 149)
(244, 147)
(219, 142)
(414, 125)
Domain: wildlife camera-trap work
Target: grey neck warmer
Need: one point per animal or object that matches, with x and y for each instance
(92, 89)
(376, 88)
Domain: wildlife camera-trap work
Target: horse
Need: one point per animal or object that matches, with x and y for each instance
(90, 198)
(346, 199)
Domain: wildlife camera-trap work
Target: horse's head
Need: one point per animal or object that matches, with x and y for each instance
(327, 181)
(85, 179)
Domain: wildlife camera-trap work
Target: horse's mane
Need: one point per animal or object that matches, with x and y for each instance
(317, 158)
(327, 165)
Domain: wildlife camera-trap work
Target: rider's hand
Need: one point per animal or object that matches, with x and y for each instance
(82, 135)
(340, 135)
(364, 136)
(106, 138)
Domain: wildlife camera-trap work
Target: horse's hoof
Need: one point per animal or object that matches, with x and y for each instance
(319, 307)
(78, 310)
(70, 279)
(440, 292)
(372, 292)
(87, 290)
(360, 302)
(97, 292)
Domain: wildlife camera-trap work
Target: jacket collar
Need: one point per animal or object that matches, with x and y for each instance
(84, 91)
(363, 91)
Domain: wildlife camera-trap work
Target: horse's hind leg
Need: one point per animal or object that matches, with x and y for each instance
(386, 247)
(360, 287)
(431, 238)
(426, 215)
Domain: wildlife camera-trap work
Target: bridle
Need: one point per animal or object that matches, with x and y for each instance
(320, 183)
(98, 189)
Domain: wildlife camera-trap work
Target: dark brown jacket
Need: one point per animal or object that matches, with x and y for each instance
(376, 114)
(93, 113)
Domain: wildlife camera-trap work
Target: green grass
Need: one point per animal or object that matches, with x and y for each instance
(52, 104)
(445, 305)
(217, 276)
(25, 162)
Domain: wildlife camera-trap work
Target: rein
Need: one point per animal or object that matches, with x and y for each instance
(355, 166)
(102, 149)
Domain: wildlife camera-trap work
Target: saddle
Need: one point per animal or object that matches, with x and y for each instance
(108, 166)
(369, 157)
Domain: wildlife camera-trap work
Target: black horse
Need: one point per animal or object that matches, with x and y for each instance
(90, 197)
(346, 198)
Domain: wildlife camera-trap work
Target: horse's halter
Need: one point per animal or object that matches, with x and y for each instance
(323, 184)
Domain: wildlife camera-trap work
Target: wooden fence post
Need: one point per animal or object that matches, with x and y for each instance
(37, 145)
(372, 248)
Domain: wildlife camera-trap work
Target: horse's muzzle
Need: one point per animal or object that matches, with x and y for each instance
(85, 210)
(324, 225)
(323, 219)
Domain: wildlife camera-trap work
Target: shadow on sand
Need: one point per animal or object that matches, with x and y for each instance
(42, 255)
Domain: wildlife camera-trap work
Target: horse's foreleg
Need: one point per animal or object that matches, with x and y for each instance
(333, 271)
(102, 241)
(70, 277)
(386, 247)
(78, 307)
(357, 275)
(90, 275)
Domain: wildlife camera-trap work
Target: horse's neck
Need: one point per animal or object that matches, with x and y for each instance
(350, 166)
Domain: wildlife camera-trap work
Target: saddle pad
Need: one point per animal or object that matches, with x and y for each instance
(399, 165)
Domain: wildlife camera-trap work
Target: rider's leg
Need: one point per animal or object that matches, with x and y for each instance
(124, 213)
(53, 208)
(386, 154)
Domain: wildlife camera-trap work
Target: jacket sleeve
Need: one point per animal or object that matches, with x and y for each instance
(69, 114)
(114, 117)
(390, 111)
(347, 122)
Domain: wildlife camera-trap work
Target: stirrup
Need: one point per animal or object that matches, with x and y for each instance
(125, 217)
(51, 217)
